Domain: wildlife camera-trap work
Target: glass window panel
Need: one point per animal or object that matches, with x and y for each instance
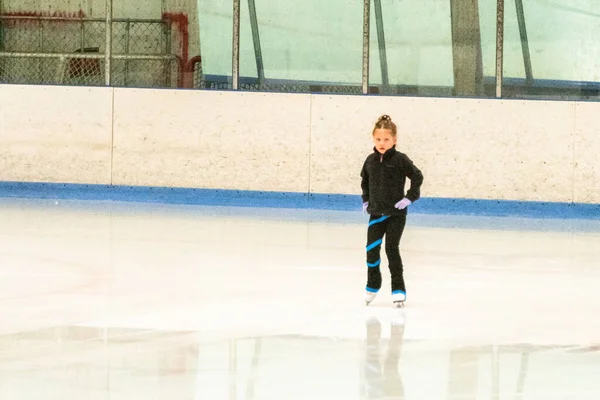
(514, 65)
(418, 43)
(421, 58)
(307, 45)
(215, 18)
(562, 41)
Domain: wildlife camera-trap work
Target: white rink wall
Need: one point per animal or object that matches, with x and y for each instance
(221, 140)
(55, 134)
(467, 148)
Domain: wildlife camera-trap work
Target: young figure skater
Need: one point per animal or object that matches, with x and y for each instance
(384, 175)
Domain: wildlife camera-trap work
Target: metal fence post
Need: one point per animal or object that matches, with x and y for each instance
(385, 81)
(235, 62)
(524, 40)
(499, 47)
(256, 38)
(108, 50)
(365, 58)
(127, 38)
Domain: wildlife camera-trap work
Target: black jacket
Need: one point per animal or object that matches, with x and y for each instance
(383, 180)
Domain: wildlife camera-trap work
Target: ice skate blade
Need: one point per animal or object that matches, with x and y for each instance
(399, 304)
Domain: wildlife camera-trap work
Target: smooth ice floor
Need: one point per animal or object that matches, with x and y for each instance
(139, 301)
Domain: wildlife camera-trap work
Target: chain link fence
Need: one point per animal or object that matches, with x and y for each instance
(296, 87)
(201, 81)
(70, 51)
(52, 69)
(89, 70)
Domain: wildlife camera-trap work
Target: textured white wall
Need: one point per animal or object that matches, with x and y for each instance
(55, 134)
(467, 148)
(586, 174)
(485, 149)
(251, 141)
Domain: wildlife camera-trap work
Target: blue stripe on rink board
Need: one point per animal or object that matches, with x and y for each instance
(375, 264)
(267, 199)
(378, 220)
(374, 244)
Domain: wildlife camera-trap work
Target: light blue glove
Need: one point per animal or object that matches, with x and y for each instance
(365, 205)
(402, 204)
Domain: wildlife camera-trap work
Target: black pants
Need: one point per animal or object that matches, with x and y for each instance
(392, 228)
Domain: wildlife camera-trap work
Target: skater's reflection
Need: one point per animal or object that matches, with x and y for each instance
(381, 377)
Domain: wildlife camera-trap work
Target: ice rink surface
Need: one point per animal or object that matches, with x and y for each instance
(118, 301)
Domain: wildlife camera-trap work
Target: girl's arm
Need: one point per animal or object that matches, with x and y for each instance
(416, 180)
(364, 183)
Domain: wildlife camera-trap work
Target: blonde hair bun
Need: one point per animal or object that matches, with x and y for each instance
(385, 122)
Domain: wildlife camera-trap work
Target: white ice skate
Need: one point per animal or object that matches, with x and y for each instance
(369, 296)
(398, 297)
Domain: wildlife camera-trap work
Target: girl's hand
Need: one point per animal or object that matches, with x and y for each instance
(402, 204)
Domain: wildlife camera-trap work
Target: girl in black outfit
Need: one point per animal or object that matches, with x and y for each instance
(384, 175)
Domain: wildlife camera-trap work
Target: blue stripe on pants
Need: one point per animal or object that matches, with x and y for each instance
(374, 244)
(378, 220)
